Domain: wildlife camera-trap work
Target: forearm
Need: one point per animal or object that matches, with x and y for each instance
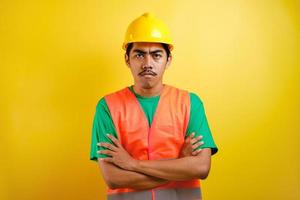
(191, 167)
(120, 178)
(176, 169)
(134, 180)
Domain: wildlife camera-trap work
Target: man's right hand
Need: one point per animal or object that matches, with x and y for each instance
(190, 145)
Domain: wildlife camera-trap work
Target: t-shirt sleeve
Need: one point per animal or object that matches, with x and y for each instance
(198, 123)
(102, 125)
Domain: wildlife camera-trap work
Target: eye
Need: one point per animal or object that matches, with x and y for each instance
(157, 55)
(139, 55)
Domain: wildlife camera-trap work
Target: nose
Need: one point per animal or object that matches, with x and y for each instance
(147, 64)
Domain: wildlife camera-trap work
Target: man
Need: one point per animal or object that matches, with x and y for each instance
(147, 137)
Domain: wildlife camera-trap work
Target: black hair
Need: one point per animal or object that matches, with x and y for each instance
(165, 46)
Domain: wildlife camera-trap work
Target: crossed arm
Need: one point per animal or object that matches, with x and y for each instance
(121, 170)
(115, 177)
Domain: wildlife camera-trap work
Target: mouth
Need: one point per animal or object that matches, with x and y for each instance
(147, 73)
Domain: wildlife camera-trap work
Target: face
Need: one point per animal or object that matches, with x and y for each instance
(147, 62)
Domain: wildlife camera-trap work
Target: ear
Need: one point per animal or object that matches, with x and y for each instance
(126, 57)
(169, 61)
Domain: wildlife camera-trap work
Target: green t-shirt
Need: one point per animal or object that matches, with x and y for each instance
(103, 123)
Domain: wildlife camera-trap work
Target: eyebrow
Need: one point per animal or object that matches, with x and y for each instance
(144, 52)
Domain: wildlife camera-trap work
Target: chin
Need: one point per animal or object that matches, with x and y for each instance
(147, 86)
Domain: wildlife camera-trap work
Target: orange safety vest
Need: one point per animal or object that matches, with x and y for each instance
(162, 140)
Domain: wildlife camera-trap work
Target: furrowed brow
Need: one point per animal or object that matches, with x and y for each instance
(144, 52)
(139, 51)
(156, 51)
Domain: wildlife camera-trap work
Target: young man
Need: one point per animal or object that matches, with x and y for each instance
(147, 137)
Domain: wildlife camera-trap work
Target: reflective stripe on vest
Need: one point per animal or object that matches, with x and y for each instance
(160, 194)
(162, 140)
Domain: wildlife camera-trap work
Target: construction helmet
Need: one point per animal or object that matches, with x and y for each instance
(147, 28)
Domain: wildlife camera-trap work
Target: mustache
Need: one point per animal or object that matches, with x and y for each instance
(147, 72)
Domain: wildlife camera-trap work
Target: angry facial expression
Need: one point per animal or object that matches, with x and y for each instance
(147, 62)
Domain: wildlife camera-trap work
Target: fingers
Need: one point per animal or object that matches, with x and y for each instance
(106, 152)
(195, 142)
(107, 145)
(192, 135)
(196, 152)
(114, 140)
(196, 139)
(110, 160)
(195, 146)
(188, 139)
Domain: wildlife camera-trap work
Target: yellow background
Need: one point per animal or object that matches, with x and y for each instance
(58, 58)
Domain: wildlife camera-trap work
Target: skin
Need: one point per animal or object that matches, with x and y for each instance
(117, 177)
(180, 169)
(147, 63)
(190, 145)
(149, 57)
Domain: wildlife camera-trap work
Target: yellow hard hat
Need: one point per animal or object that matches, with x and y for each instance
(147, 28)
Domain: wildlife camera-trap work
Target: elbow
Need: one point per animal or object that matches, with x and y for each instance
(108, 174)
(203, 164)
(203, 176)
(202, 172)
(111, 183)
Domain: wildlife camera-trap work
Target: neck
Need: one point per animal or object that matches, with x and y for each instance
(148, 92)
